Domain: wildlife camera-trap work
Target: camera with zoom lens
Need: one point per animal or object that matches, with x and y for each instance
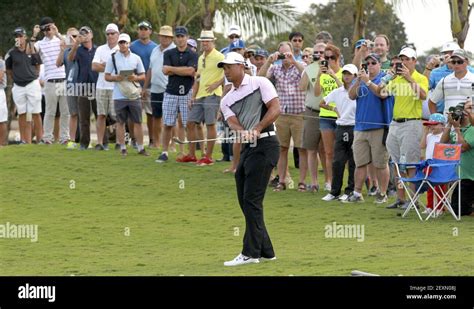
(457, 112)
(281, 56)
(324, 63)
(45, 28)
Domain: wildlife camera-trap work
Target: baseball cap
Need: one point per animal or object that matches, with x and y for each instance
(166, 31)
(236, 45)
(408, 52)
(19, 30)
(450, 46)
(461, 53)
(373, 56)
(261, 53)
(435, 118)
(46, 20)
(145, 24)
(232, 58)
(234, 29)
(124, 37)
(359, 43)
(181, 30)
(85, 29)
(192, 43)
(350, 68)
(253, 48)
(111, 28)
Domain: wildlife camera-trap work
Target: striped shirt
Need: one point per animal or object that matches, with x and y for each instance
(287, 81)
(49, 50)
(453, 90)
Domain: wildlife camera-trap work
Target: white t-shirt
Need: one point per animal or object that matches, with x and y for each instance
(345, 106)
(158, 79)
(431, 140)
(102, 55)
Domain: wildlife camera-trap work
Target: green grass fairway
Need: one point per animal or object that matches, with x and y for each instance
(99, 214)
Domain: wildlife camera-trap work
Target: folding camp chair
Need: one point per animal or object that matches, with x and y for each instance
(443, 169)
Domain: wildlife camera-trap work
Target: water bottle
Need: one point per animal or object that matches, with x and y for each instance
(403, 160)
(387, 78)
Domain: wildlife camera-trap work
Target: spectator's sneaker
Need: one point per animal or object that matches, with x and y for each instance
(274, 182)
(405, 205)
(187, 159)
(99, 147)
(82, 147)
(392, 192)
(106, 147)
(343, 197)
(134, 144)
(71, 145)
(327, 187)
(64, 142)
(354, 199)
(162, 158)
(241, 260)
(380, 198)
(46, 142)
(124, 152)
(373, 191)
(427, 211)
(205, 161)
(396, 204)
(144, 153)
(329, 197)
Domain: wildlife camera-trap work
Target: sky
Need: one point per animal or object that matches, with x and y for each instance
(427, 22)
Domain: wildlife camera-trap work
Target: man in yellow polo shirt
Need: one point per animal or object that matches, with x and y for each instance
(207, 92)
(409, 89)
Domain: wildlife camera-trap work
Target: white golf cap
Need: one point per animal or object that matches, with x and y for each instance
(234, 29)
(350, 68)
(408, 52)
(111, 28)
(450, 46)
(232, 58)
(124, 37)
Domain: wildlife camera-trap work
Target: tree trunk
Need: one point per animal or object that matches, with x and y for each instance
(120, 10)
(460, 12)
(360, 20)
(207, 14)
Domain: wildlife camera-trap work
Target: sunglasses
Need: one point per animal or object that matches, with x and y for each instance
(203, 62)
(297, 40)
(143, 28)
(330, 57)
(318, 52)
(123, 42)
(456, 61)
(305, 56)
(372, 62)
(232, 37)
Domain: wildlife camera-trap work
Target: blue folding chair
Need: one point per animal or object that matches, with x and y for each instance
(443, 169)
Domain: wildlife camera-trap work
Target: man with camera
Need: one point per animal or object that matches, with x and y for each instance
(409, 89)
(23, 69)
(287, 76)
(455, 87)
(460, 131)
(55, 87)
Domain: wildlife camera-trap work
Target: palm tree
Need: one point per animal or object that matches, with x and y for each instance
(269, 16)
(460, 12)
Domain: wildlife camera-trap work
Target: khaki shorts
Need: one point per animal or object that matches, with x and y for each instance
(290, 126)
(311, 132)
(368, 147)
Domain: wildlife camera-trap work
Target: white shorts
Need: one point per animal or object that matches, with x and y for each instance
(3, 106)
(28, 98)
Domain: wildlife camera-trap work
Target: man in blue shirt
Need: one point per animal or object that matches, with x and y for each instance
(373, 115)
(143, 47)
(86, 81)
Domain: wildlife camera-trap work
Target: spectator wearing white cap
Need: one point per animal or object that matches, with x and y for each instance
(409, 89)
(456, 87)
(104, 90)
(124, 68)
(157, 80)
(445, 68)
(232, 34)
(345, 109)
(143, 47)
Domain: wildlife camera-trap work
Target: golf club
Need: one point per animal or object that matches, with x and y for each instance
(178, 141)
